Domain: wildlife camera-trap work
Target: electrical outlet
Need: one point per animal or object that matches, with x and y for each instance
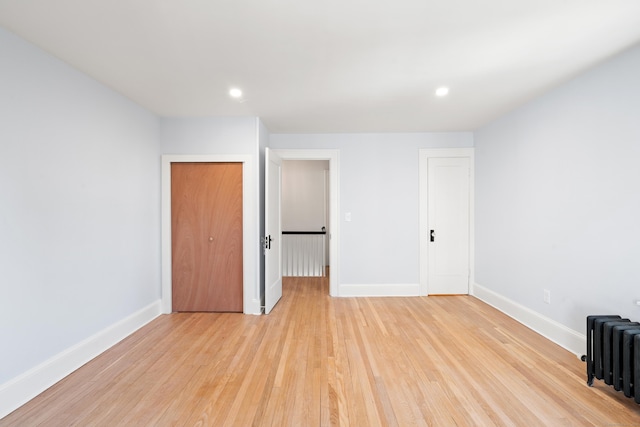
(547, 296)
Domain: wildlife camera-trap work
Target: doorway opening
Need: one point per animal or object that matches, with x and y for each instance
(305, 218)
(311, 162)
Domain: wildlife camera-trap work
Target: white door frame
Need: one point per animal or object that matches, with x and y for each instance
(425, 154)
(249, 258)
(334, 225)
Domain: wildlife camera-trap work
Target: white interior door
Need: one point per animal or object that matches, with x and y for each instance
(448, 218)
(273, 231)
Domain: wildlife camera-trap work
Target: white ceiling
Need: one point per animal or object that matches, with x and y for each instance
(330, 65)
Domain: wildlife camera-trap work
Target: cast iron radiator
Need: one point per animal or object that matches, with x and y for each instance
(613, 353)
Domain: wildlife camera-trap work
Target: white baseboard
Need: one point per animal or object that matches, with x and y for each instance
(255, 307)
(548, 328)
(383, 290)
(21, 389)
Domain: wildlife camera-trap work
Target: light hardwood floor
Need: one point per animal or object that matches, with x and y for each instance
(316, 360)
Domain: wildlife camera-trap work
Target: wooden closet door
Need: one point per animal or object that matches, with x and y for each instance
(206, 231)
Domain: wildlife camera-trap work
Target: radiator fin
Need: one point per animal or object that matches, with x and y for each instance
(613, 353)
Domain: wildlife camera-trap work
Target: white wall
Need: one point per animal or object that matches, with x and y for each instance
(79, 215)
(227, 136)
(303, 195)
(209, 135)
(558, 199)
(379, 248)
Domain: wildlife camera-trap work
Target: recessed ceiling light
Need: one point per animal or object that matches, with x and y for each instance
(442, 91)
(235, 93)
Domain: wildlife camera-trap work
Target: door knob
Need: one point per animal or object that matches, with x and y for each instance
(432, 235)
(210, 239)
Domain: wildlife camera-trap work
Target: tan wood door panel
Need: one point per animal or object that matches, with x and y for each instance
(206, 231)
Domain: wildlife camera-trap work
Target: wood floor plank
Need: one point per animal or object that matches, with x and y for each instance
(321, 361)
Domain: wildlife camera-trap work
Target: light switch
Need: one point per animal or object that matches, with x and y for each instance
(347, 216)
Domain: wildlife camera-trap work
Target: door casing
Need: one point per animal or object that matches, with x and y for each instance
(250, 282)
